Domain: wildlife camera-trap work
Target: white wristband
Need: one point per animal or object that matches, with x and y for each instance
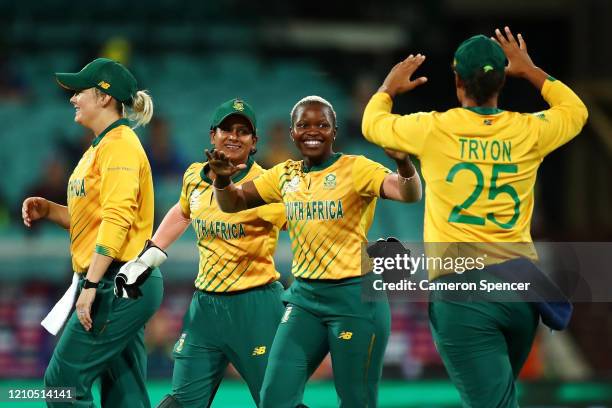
(405, 180)
(223, 188)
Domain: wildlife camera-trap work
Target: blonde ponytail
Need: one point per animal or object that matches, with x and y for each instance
(141, 110)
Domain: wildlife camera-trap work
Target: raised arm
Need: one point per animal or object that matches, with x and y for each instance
(519, 62)
(405, 133)
(567, 114)
(231, 198)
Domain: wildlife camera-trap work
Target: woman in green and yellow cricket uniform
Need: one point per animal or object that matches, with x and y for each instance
(480, 165)
(236, 307)
(109, 216)
(329, 200)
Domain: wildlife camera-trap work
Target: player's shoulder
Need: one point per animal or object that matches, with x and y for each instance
(120, 141)
(195, 166)
(253, 171)
(256, 169)
(522, 119)
(361, 166)
(357, 160)
(122, 133)
(285, 166)
(535, 117)
(426, 115)
(193, 172)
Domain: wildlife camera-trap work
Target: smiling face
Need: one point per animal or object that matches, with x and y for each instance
(313, 130)
(87, 105)
(234, 137)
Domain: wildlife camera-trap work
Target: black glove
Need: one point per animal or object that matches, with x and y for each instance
(135, 272)
(387, 248)
(390, 248)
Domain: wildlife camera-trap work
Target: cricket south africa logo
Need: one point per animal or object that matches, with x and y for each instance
(292, 186)
(238, 105)
(329, 183)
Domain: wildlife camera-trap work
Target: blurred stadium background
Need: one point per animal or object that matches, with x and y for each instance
(192, 55)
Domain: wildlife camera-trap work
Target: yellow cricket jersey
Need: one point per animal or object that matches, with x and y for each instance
(235, 249)
(329, 211)
(110, 198)
(479, 164)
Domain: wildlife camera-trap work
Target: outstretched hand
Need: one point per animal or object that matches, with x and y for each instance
(221, 165)
(399, 78)
(519, 61)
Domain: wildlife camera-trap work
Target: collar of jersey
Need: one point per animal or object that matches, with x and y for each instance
(113, 125)
(484, 110)
(330, 160)
(236, 178)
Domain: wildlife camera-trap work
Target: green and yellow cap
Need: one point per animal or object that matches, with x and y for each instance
(233, 107)
(105, 74)
(476, 54)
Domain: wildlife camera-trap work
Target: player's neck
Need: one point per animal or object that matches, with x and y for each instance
(103, 121)
(468, 102)
(316, 161)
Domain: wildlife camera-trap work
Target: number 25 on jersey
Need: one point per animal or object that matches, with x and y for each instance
(456, 214)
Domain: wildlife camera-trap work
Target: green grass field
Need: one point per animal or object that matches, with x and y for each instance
(393, 394)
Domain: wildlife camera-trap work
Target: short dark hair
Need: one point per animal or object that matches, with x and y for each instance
(483, 85)
(313, 100)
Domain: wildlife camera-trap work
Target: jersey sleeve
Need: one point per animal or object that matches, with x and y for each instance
(563, 121)
(368, 176)
(406, 133)
(268, 186)
(191, 175)
(120, 164)
(273, 213)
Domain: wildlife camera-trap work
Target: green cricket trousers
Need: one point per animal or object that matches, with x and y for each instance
(223, 328)
(113, 350)
(483, 344)
(321, 317)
